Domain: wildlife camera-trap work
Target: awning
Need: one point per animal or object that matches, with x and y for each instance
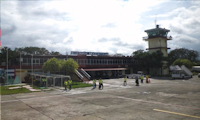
(105, 69)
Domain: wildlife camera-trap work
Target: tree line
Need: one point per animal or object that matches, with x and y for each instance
(143, 58)
(179, 56)
(13, 54)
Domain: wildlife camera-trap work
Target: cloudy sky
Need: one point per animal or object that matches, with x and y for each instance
(113, 26)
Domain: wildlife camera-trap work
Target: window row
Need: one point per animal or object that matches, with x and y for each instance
(103, 61)
(41, 61)
(36, 61)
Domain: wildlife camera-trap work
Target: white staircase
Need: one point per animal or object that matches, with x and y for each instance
(85, 73)
(79, 74)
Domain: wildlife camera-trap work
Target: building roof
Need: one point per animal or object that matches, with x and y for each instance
(157, 29)
(102, 69)
(157, 32)
(196, 68)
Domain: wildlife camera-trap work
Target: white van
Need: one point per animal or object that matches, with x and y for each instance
(178, 74)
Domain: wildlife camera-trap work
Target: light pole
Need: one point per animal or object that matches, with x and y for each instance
(7, 66)
(32, 68)
(20, 67)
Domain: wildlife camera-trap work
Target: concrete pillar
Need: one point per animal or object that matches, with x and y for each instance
(109, 73)
(46, 82)
(131, 70)
(40, 79)
(54, 81)
(123, 72)
(61, 81)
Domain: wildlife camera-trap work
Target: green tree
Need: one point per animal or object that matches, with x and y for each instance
(145, 60)
(52, 65)
(33, 50)
(55, 53)
(12, 55)
(137, 52)
(3, 54)
(69, 66)
(156, 59)
(185, 62)
(183, 53)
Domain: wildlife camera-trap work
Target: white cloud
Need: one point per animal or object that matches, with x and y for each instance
(184, 25)
(80, 25)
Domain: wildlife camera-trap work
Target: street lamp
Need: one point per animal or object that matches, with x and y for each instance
(7, 66)
(32, 68)
(20, 67)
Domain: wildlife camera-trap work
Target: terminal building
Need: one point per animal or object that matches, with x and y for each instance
(99, 64)
(94, 64)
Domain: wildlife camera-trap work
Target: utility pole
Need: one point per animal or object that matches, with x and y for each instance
(20, 67)
(32, 68)
(7, 66)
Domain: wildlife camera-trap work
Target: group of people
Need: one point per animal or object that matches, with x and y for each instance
(125, 82)
(100, 84)
(69, 84)
(137, 80)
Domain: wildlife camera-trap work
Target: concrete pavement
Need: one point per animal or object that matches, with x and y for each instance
(161, 99)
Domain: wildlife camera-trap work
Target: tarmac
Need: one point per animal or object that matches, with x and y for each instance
(162, 99)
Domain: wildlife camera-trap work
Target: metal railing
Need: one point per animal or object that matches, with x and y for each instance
(85, 73)
(79, 74)
(147, 37)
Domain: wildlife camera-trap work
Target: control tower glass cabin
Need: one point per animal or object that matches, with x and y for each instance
(157, 40)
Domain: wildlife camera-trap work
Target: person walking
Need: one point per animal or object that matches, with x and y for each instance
(70, 84)
(100, 84)
(94, 84)
(136, 81)
(142, 77)
(44, 80)
(147, 79)
(125, 79)
(66, 83)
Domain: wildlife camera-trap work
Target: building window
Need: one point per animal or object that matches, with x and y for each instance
(95, 61)
(92, 61)
(100, 61)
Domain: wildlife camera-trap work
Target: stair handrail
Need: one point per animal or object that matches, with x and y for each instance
(79, 74)
(85, 73)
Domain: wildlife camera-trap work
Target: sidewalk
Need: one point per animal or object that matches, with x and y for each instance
(25, 86)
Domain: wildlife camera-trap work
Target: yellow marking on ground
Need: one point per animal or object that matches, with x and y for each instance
(176, 113)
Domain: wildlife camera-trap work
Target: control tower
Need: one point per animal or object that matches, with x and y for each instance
(157, 40)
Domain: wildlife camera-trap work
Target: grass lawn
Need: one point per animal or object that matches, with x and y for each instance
(80, 85)
(35, 87)
(5, 91)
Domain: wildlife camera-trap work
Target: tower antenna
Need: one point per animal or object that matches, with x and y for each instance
(155, 20)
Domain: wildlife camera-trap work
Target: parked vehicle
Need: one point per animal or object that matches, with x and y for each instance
(199, 75)
(139, 74)
(180, 72)
(186, 71)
